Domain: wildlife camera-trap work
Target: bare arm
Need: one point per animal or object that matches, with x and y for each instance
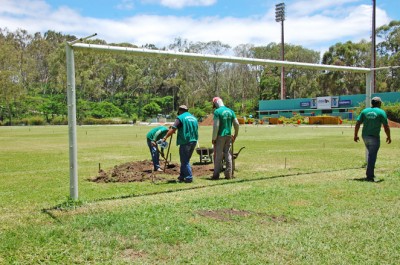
(387, 131)
(236, 128)
(356, 129)
(169, 133)
(215, 131)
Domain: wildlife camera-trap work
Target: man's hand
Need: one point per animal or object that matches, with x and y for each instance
(154, 144)
(213, 142)
(233, 138)
(388, 140)
(356, 138)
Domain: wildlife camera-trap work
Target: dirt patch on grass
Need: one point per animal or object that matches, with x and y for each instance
(132, 255)
(223, 214)
(139, 171)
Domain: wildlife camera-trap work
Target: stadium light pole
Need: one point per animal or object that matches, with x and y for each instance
(280, 17)
(373, 47)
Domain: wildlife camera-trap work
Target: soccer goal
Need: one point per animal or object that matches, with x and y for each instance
(79, 45)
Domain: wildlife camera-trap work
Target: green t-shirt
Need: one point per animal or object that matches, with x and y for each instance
(188, 131)
(157, 133)
(226, 116)
(372, 118)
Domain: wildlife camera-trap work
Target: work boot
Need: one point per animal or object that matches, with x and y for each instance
(181, 179)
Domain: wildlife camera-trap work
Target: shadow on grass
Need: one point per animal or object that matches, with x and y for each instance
(367, 180)
(189, 186)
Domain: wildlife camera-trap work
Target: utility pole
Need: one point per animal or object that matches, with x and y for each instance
(280, 17)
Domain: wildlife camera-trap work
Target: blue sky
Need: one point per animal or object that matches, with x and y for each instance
(314, 24)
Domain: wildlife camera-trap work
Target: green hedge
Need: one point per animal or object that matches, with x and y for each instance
(393, 112)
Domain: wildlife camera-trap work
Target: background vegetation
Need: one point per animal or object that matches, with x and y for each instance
(33, 77)
(298, 202)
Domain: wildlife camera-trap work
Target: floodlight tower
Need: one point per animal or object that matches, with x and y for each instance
(280, 17)
(373, 47)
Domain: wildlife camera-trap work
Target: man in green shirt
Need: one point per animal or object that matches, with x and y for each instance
(152, 137)
(222, 138)
(372, 118)
(187, 127)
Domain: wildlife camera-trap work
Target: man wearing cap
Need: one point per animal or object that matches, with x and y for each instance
(372, 118)
(153, 136)
(222, 138)
(187, 127)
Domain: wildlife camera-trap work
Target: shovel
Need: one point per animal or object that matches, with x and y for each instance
(166, 157)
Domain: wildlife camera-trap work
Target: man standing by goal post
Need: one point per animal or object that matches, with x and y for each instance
(222, 138)
(372, 118)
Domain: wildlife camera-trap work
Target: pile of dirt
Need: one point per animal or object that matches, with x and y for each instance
(139, 171)
(207, 121)
(393, 124)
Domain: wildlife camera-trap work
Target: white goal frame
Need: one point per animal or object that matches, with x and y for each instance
(71, 92)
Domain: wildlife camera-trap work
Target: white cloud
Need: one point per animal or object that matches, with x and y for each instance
(181, 3)
(313, 31)
(308, 7)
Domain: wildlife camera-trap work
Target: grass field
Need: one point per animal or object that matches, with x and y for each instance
(295, 200)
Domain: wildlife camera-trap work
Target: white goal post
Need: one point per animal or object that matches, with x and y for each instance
(71, 93)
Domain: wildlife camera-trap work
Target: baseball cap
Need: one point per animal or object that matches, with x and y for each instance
(215, 99)
(183, 107)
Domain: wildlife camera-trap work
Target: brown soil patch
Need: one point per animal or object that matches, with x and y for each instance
(139, 171)
(224, 214)
(393, 124)
(132, 255)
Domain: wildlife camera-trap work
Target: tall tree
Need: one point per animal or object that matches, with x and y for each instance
(345, 54)
(389, 55)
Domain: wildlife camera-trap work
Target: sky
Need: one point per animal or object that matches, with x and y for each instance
(313, 24)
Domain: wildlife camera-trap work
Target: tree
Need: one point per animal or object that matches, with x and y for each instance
(11, 87)
(389, 55)
(151, 109)
(345, 54)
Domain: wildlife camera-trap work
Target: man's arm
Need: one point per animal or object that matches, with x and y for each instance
(356, 129)
(387, 131)
(172, 129)
(215, 130)
(236, 128)
(169, 133)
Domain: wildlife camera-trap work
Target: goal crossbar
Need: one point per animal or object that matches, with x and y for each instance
(217, 58)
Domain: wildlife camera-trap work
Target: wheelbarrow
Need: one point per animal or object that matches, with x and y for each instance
(236, 155)
(206, 154)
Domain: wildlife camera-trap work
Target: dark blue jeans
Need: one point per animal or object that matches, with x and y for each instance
(155, 156)
(372, 143)
(185, 153)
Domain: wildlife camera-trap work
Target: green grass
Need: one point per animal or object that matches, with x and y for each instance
(294, 201)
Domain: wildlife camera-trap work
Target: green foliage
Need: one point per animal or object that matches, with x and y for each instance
(151, 109)
(198, 112)
(34, 120)
(393, 112)
(294, 120)
(104, 110)
(59, 120)
(104, 121)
